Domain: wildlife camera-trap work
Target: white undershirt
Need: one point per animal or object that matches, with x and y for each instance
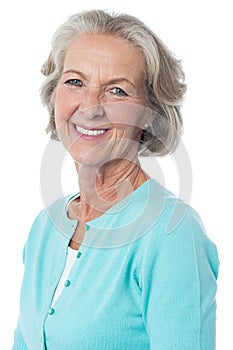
(70, 259)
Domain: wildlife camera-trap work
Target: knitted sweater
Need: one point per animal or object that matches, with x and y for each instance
(144, 278)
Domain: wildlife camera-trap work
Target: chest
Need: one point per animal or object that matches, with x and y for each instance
(99, 306)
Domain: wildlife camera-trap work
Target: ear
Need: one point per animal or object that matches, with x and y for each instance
(49, 66)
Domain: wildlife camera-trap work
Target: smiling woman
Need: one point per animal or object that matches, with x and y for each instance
(94, 79)
(163, 79)
(122, 264)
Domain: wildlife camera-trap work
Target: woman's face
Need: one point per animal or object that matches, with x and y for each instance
(99, 99)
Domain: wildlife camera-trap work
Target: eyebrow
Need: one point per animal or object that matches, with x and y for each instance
(76, 72)
(111, 81)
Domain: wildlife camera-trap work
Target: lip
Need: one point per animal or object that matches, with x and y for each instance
(89, 137)
(97, 127)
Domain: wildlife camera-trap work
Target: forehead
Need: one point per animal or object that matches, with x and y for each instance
(104, 51)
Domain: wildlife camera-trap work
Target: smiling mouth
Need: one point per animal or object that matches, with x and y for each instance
(88, 132)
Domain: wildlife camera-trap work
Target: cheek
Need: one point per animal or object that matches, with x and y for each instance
(59, 106)
(126, 115)
(133, 133)
(63, 106)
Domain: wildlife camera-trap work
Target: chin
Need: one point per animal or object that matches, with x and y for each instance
(89, 159)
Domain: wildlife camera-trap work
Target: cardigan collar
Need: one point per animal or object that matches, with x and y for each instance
(123, 223)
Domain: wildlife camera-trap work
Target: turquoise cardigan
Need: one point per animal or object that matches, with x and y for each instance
(144, 278)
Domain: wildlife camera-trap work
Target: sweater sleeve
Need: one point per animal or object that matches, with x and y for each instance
(19, 342)
(179, 286)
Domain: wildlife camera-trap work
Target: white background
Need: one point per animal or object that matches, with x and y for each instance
(199, 32)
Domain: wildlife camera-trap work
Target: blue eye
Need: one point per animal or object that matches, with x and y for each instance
(74, 82)
(118, 91)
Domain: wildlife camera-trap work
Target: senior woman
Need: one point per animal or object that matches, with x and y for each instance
(102, 270)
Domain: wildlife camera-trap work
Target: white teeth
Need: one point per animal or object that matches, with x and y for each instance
(89, 132)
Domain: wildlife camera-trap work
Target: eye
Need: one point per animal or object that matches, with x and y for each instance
(74, 82)
(118, 92)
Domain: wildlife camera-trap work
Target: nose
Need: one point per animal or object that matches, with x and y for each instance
(91, 106)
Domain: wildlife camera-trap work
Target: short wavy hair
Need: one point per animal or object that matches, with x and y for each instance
(164, 81)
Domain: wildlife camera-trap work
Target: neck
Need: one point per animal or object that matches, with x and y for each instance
(101, 189)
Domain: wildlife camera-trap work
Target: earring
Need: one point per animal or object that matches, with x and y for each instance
(146, 126)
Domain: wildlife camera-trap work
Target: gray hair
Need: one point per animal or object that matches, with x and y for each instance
(163, 83)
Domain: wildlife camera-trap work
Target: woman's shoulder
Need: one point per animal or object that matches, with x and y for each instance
(172, 221)
(178, 229)
(53, 211)
(163, 208)
(51, 221)
(171, 211)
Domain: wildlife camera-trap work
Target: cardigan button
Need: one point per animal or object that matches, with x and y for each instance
(51, 311)
(67, 283)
